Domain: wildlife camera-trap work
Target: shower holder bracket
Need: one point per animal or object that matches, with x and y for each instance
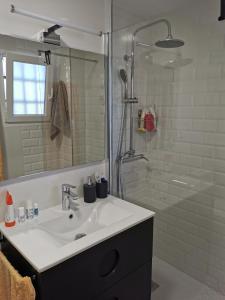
(127, 57)
(131, 100)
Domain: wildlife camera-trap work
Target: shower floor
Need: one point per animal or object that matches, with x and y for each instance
(176, 285)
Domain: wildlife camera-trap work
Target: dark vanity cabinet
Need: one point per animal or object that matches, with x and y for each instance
(116, 269)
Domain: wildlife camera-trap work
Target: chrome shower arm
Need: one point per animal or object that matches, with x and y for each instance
(165, 21)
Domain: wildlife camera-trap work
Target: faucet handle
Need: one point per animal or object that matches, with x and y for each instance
(66, 187)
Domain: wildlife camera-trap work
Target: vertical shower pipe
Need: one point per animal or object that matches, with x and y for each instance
(2, 120)
(133, 99)
(108, 96)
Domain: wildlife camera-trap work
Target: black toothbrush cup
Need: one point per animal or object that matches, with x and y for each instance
(102, 188)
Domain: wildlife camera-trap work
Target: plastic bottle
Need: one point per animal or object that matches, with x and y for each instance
(21, 215)
(36, 210)
(29, 210)
(10, 214)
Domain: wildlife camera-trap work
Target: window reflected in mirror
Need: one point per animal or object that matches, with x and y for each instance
(28, 89)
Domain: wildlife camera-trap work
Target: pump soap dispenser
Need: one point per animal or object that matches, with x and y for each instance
(89, 191)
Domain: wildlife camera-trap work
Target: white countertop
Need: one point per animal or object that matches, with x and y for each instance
(42, 254)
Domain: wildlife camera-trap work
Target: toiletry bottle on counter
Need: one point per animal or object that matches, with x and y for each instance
(89, 191)
(21, 214)
(36, 210)
(10, 214)
(29, 210)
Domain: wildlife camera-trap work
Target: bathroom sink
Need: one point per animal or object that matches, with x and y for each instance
(75, 224)
(58, 235)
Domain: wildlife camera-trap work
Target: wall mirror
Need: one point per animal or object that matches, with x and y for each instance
(52, 112)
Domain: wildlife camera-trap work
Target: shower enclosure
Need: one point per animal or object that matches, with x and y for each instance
(129, 156)
(183, 176)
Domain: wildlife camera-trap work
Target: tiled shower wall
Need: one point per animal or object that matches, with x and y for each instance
(184, 182)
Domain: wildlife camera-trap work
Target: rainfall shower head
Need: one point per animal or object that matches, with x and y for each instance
(169, 42)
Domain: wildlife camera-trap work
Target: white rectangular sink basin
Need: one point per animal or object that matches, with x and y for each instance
(58, 235)
(74, 224)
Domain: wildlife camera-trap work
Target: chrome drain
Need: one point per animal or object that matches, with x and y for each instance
(79, 236)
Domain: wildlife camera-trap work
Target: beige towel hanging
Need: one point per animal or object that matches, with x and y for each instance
(60, 119)
(12, 285)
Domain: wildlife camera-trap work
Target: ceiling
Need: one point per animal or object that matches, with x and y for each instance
(150, 8)
(83, 13)
(130, 12)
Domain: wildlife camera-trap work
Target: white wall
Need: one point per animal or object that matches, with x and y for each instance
(85, 13)
(46, 190)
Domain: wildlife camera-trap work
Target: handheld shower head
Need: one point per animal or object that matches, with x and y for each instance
(123, 76)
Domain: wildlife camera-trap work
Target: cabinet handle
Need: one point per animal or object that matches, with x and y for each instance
(109, 264)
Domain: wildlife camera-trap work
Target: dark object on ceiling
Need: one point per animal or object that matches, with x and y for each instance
(222, 11)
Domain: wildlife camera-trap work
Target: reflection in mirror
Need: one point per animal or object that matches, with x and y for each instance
(52, 107)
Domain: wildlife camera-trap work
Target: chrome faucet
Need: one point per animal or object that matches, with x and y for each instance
(68, 196)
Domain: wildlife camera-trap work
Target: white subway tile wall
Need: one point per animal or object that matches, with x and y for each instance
(184, 182)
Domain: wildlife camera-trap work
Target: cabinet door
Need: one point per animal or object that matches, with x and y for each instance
(89, 274)
(136, 286)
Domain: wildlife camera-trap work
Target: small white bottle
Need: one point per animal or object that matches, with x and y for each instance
(21, 215)
(29, 210)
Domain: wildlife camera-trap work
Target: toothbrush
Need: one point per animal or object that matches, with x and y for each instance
(97, 178)
(89, 180)
(103, 179)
